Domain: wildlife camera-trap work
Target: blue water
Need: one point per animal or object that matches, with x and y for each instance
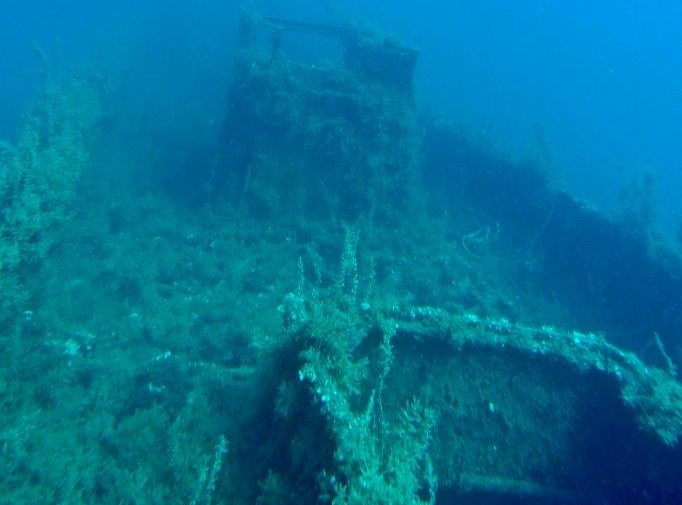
(602, 80)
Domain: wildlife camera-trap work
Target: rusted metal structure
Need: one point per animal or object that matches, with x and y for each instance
(375, 403)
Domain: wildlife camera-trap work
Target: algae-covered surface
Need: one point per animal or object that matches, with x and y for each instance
(357, 306)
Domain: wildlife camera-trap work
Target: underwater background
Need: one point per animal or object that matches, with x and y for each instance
(340, 252)
(601, 82)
